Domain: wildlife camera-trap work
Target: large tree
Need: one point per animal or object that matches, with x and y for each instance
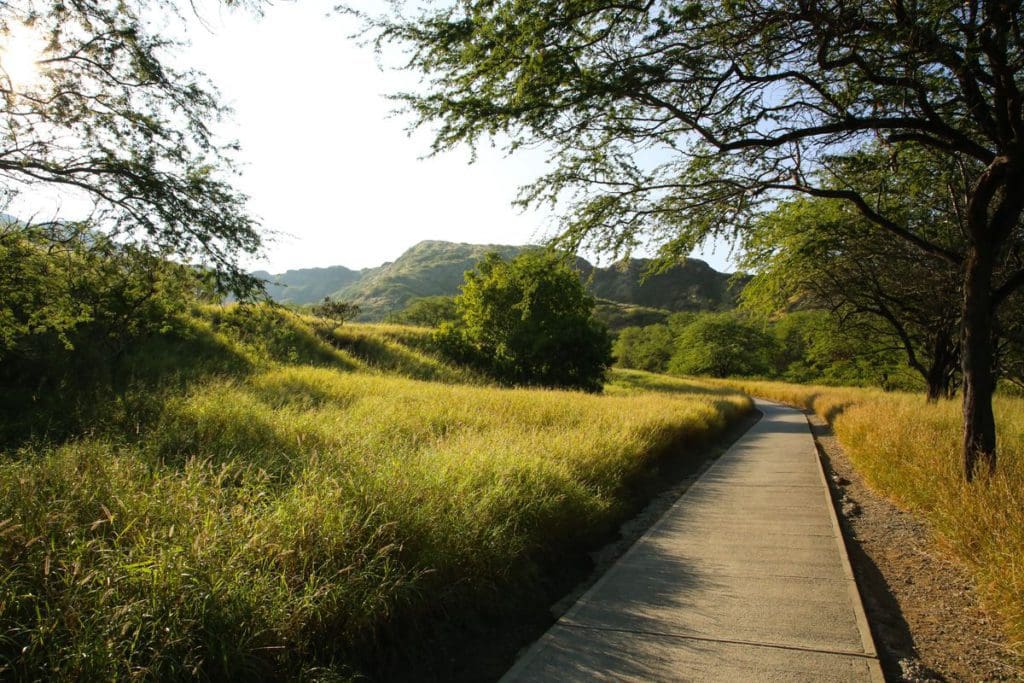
(821, 253)
(680, 119)
(91, 106)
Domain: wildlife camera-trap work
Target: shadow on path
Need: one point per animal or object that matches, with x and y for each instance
(889, 629)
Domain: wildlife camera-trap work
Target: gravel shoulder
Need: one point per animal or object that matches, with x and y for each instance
(927, 621)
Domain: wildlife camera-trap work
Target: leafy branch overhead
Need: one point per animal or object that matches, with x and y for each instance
(108, 119)
(735, 100)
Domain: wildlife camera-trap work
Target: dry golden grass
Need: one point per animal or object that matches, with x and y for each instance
(910, 451)
(297, 517)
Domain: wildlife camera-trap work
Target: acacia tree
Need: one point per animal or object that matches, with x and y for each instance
(721, 345)
(679, 119)
(105, 117)
(821, 253)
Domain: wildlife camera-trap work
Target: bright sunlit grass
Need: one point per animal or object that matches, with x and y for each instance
(310, 509)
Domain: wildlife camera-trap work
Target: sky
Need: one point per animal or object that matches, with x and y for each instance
(326, 163)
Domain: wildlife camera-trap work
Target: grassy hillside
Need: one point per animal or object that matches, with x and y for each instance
(272, 497)
(435, 268)
(618, 316)
(909, 451)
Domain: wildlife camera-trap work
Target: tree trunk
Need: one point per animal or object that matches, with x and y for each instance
(939, 377)
(977, 357)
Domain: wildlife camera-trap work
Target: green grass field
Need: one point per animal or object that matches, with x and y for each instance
(910, 452)
(273, 497)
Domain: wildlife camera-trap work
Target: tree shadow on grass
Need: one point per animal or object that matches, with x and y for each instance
(88, 389)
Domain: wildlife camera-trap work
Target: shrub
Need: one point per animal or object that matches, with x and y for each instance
(645, 348)
(529, 322)
(334, 309)
(721, 346)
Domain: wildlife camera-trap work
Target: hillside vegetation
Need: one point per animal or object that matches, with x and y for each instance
(909, 451)
(436, 268)
(806, 346)
(268, 496)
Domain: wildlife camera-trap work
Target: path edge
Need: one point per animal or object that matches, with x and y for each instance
(863, 625)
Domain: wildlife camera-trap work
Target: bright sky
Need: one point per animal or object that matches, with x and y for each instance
(324, 161)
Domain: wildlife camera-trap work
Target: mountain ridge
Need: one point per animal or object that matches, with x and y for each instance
(437, 268)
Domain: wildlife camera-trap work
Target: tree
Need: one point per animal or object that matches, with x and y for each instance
(679, 120)
(813, 346)
(720, 345)
(529, 321)
(645, 348)
(75, 306)
(103, 115)
(427, 311)
(820, 253)
(335, 309)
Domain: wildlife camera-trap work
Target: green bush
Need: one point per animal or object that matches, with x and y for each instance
(427, 311)
(335, 309)
(529, 322)
(721, 345)
(644, 348)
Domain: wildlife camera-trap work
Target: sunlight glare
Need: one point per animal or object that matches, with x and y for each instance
(21, 48)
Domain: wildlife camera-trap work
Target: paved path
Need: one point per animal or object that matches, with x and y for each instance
(745, 578)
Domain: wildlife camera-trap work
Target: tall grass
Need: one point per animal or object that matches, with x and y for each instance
(910, 451)
(312, 513)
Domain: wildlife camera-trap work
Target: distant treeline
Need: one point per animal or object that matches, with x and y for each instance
(810, 346)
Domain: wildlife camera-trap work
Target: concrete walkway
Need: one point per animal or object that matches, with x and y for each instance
(745, 578)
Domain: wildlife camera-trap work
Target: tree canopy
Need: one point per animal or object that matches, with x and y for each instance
(529, 321)
(721, 345)
(105, 116)
(678, 120)
(816, 252)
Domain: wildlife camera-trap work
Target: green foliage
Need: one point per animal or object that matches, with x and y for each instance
(529, 321)
(62, 287)
(802, 346)
(111, 117)
(887, 293)
(644, 348)
(74, 306)
(336, 310)
(721, 345)
(813, 347)
(427, 311)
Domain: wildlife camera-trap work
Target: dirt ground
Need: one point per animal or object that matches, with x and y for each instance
(927, 621)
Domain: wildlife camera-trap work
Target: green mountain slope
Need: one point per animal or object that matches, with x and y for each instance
(433, 268)
(429, 268)
(691, 286)
(308, 285)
